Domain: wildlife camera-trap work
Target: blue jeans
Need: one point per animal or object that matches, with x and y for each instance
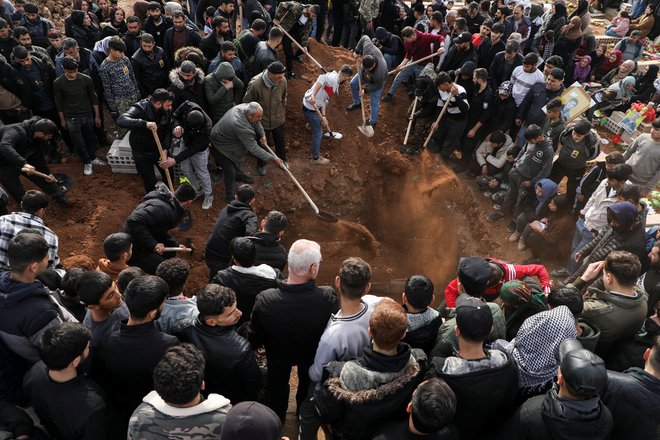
(390, 59)
(402, 76)
(581, 237)
(374, 99)
(83, 136)
(317, 131)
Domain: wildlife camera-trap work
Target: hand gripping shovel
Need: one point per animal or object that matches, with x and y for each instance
(365, 129)
(437, 121)
(325, 216)
(329, 134)
(63, 181)
(305, 51)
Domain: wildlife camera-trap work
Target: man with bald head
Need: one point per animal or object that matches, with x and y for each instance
(288, 322)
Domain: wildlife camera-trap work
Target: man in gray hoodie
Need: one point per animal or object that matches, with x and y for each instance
(373, 74)
(644, 158)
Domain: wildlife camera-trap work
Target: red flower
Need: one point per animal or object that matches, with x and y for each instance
(616, 139)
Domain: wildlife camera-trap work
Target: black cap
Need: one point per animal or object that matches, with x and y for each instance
(584, 372)
(251, 421)
(69, 63)
(20, 52)
(473, 317)
(195, 119)
(463, 38)
(276, 67)
(473, 274)
(31, 8)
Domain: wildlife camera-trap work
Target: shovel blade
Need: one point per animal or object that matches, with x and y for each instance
(327, 217)
(366, 130)
(64, 181)
(186, 222)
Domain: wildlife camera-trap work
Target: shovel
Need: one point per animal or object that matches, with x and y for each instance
(437, 121)
(404, 148)
(329, 134)
(365, 129)
(325, 216)
(434, 54)
(305, 51)
(64, 181)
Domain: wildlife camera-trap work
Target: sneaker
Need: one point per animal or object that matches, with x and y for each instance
(290, 75)
(208, 202)
(353, 106)
(559, 273)
(495, 216)
(387, 98)
(244, 179)
(521, 244)
(261, 171)
(497, 207)
(320, 161)
(88, 169)
(511, 227)
(299, 59)
(488, 194)
(97, 161)
(514, 237)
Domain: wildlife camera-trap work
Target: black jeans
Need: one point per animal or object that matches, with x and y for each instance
(288, 47)
(9, 178)
(573, 179)
(144, 164)
(517, 196)
(277, 135)
(215, 265)
(279, 370)
(148, 260)
(228, 174)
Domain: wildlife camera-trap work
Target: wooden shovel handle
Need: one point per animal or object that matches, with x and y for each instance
(437, 121)
(163, 157)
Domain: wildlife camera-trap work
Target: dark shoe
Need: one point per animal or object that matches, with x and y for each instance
(299, 59)
(290, 75)
(61, 198)
(216, 175)
(353, 106)
(497, 215)
(511, 228)
(261, 171)
(387, 98)
(244, 179)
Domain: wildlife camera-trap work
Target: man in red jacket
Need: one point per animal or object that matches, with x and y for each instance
(494, 274)
(418, 45)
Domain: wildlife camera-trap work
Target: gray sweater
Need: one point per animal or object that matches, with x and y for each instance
(644, 158)
(534, 161)
(234, 136)
(376, 79)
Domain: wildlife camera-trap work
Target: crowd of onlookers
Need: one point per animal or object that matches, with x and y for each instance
(124, 348)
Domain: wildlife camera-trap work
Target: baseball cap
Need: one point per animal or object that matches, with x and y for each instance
(474, 273)
(463, 38)
(584, 372)
(69, 63)
(251, 420)
(473, 317)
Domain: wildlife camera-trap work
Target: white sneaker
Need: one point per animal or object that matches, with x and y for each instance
(88, 169)
(320, 161)
(208, 202)
(97, 161)
(514, 237)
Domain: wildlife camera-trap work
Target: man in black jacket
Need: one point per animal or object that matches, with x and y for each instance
(268, 241)
(358, 396)
(156, 23)
(503, 64)
(149, 225)
(572, 409)
(22, 151)
(237, 219)
(132, 36)
(13, 108)
(210, 44)
(245, 278)
(123, 364)
(634, 398)
(143, 119)
(530, 110)
(265, 52)
(292, 341)
(185, 36)
(231, 369)
(150, 66)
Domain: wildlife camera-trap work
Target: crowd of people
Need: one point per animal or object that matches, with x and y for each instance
(126, 350)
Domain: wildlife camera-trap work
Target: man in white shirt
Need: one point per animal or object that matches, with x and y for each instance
(525, 76)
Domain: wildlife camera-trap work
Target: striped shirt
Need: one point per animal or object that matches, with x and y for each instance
(12, 224)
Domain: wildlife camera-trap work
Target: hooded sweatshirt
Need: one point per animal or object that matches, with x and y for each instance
(548, 191)
(235, 220)
(220, 98)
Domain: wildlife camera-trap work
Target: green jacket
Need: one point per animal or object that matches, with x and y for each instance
(288, 13)
(234, 136)
(272, 99)
(219, 99)
(616, 315)
(369, 9)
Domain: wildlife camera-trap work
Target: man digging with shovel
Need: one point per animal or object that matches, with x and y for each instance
(373, 74)
(314, 107)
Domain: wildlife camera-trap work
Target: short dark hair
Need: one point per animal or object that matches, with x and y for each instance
(442, 78)
(26, 248)
(227, 46)
(497, 137)
(630, 193)
(497, 27)
(126, 276)
(185, 193)
(433, 406)
(117, 44)
(161, 95)
(45, 126)
(437, 16)
(533, 131)
(481, 74)
(178, 376)
(70, 281)
(92, 285)
(620, 172)
(346, 70)
(275, 222)
(368, 61)
(568, 296)
(3, 23)
(144, 294)
(259, 24)
(133, 19)
(34, 200)
(213, 299)
(243, 250)
(654, 357)
(178, 14)
(531, 59)
(175, 272)
(555, 60)
(615, 157)
(419, 291)
(62, 344)
(557, 73)
(315, 9)
(555, 104)
(147, 38)
(407, 32)
(153, 5)
(354, 276)
(218, 20)
(116, 244)
(245, 193)
(275, 33)
(20, 30)
(624, 266)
